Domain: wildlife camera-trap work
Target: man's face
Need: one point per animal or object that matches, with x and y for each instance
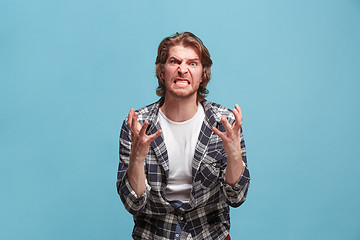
(182, 72)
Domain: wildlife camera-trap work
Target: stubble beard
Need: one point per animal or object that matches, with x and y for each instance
(182, 94)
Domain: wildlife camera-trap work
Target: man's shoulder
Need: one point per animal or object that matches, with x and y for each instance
(217, 110)
(149, 110)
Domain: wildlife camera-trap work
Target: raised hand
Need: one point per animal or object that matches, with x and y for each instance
(140, 143)
(231, 143)
(231, 138)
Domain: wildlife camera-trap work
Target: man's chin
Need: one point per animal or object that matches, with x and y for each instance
(182, 94)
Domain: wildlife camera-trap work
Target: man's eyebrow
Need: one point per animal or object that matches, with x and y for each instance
(174, 57)
(194, 59)
(180, 59)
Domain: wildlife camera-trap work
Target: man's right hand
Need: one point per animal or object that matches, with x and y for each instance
(140, 143)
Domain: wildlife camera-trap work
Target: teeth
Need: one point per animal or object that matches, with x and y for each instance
(181, 82)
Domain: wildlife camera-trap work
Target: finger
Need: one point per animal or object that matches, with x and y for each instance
(143, 128)
(134, 122)
(154, 136)
(218, 132)
(226, 123)
(130, 115)
(138, 126)
(238, 119)
(239, 110)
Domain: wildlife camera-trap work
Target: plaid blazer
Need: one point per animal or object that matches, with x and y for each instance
(206, 215)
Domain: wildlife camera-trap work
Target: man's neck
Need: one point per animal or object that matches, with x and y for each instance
(180, 109)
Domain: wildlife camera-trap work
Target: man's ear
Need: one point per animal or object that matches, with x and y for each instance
(162, 75)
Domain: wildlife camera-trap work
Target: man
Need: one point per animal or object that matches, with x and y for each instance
(182, 159)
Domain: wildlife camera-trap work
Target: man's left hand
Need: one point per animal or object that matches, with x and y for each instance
(232, 147)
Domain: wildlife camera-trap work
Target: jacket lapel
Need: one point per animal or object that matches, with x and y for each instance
(204, 138)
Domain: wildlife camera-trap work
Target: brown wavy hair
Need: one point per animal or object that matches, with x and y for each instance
(186, 39)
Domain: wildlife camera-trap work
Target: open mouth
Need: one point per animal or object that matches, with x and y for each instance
(182, 81)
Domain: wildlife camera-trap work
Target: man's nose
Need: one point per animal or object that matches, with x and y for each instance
(182, 68)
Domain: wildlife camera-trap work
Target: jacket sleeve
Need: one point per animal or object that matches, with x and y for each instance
(236, 195)
(131, 201)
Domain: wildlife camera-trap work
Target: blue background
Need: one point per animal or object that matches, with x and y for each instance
(71, 70)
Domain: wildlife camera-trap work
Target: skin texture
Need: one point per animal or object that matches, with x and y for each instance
(182, 76)
(231, 143)
(183, 64)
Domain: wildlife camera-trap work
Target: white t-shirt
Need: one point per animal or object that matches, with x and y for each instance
(180, 140)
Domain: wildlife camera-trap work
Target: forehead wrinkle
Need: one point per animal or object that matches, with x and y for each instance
(182, 59)
(192, 57)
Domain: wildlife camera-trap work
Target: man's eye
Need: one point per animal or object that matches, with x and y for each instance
(193, 64)
(173, 62)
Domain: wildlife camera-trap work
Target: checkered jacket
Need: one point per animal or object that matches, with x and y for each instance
(206, 215)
